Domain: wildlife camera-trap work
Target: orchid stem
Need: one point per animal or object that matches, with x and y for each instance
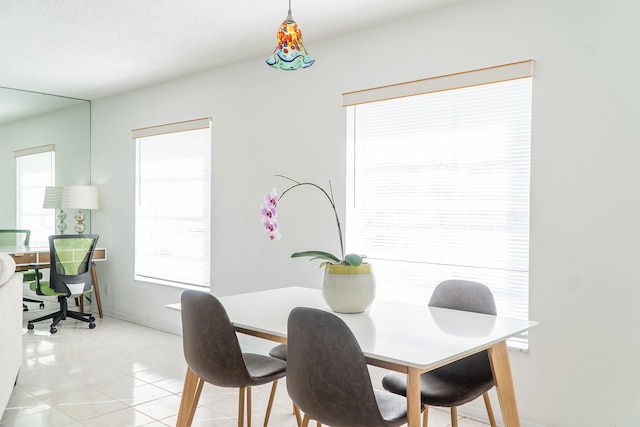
(329, 197)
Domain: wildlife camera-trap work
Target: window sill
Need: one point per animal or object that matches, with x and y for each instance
(170, 283)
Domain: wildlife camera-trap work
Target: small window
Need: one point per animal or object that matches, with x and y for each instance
(35, 170)
(173, 204)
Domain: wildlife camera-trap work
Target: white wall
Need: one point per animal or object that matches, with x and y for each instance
(582, 366)
(69, 130)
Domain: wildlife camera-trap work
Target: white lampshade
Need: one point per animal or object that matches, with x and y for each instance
(52, 198)
(80, 197)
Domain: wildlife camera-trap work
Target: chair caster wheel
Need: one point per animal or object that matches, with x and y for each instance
(92, 325)
(53, 330)
(30, 326)
(92, 319)
(25, 308)
(41, 305)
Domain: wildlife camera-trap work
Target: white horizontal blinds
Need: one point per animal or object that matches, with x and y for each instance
(35, 170)
(173, 203)
(439, 189)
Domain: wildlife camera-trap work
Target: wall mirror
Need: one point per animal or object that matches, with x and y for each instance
(30, 119)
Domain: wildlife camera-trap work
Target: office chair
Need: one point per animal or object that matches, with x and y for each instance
(70, 276)
(213, 355)
(21, 237)
(464, 380)
(327, 375)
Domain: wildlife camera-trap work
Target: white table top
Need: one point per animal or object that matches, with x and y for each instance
(410, 335)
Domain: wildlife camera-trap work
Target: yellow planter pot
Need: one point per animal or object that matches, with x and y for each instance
(348, 289)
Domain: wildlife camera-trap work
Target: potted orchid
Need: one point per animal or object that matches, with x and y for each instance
(348, 285)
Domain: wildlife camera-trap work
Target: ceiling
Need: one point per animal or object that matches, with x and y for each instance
(90, 50)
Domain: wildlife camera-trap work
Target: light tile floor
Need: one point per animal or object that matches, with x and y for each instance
(122, 374)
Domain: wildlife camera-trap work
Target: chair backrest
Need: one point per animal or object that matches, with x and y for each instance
(470, 296)
(327, 375)
(14, 237)
(463, 295)
(71, 256)
(210, 344)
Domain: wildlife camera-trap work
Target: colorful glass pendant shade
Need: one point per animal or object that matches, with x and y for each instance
(290, 54)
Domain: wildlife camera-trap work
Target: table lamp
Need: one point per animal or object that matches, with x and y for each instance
(53, 200)
(80, 197)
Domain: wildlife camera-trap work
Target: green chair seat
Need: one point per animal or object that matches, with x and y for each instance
(30, 276)
(45, 289)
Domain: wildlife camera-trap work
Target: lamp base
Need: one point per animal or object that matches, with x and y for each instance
(80, 217)
(61, 226)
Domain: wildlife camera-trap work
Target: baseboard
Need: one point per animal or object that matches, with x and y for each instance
(480, 414)
(168, 327)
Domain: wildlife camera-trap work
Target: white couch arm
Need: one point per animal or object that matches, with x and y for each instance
(11, 330)
(7, 268)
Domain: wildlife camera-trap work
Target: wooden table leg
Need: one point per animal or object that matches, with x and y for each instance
(499, 356)
(413, 397)
(96, 288)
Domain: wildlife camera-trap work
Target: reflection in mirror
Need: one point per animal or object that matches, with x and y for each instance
(20, 104)
(463, 323)
(30, 119)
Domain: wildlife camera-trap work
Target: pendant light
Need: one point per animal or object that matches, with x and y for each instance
(289, 53)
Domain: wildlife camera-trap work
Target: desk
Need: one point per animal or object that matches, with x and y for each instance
(402, 337)
(38, 256)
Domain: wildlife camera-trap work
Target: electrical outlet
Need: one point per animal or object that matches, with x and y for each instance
(106, 288)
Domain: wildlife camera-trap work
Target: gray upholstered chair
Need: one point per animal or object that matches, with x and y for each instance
(279, 351)
(327, 375)
(462, 381)
(213, 355)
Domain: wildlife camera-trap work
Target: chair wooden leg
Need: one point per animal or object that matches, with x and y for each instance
(296, 412)
(196, 399)
(190, 397)
(270, 404)
(425, 416)
(454, 416)
(241, 407)
(487, 404)
(305, 421)
(249, 406)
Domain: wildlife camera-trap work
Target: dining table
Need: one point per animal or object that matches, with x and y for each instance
(405, 337)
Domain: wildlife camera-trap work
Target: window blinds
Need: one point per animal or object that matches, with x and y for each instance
(438, 188)
(173, 203)
(35, 170)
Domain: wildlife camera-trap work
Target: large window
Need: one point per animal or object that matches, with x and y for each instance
(438, 184)
(35, 170)
(173, 203)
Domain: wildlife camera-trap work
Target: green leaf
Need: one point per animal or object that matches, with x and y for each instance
(317, 255)
(353, 259)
